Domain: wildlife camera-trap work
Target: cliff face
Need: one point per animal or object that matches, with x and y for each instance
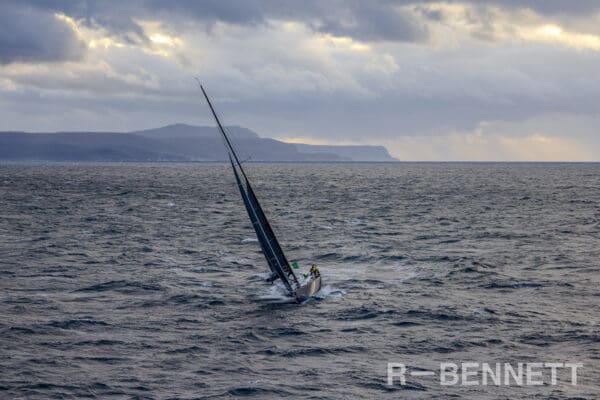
(177, 142)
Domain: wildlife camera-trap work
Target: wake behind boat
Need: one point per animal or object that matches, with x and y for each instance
(276, 259)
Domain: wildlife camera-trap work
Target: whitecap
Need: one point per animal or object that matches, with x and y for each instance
(328, 291)
(354, 222)
(263, 275)
(275, 293)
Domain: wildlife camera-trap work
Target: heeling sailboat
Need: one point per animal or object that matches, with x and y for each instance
(276, 259)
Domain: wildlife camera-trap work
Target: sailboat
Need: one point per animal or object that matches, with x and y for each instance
(276, 259)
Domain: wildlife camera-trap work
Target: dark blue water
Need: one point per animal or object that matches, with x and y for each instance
(144, 282)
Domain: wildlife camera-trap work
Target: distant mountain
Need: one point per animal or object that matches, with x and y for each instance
(82, 146)
(178, 142)
(191, 131)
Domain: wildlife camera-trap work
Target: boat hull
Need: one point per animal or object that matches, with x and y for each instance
(308, 290)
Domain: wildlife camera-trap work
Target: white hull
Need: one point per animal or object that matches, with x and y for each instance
(309, 289)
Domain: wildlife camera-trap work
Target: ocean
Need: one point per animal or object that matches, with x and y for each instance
(145, 281)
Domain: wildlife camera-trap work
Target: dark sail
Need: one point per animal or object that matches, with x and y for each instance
(276, 259)
(268, 243)
(274, 244)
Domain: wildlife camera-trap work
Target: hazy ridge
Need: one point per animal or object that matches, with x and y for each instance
(177, 142)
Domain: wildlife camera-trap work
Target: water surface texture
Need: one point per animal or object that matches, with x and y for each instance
(132, 281)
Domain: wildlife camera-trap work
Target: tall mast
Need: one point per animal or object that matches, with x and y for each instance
(223, 131)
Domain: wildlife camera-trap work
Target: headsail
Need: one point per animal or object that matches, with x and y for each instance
(279, 255)
(275, 256)
(268, 243)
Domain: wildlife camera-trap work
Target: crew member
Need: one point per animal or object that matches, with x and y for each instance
(314, 271)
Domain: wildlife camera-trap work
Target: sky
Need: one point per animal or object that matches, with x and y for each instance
(452, 80)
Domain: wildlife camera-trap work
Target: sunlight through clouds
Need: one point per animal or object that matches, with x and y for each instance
(555, 34)
(542, 138)
(493, 23)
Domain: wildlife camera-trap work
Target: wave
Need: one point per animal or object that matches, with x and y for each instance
(121, 286)
(76, 323)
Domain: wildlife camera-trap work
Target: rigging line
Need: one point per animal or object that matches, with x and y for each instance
(232, 138)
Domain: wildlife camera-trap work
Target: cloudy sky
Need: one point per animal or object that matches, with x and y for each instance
(454, 80)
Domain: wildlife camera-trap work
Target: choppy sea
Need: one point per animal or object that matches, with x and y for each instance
(144, 281)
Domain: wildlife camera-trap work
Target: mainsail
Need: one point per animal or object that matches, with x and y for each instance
(273, 252)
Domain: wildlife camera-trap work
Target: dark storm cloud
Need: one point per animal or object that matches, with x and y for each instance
(117, 17)
(362, 20)
(30, 35)
(381, 20)
(370, 22)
